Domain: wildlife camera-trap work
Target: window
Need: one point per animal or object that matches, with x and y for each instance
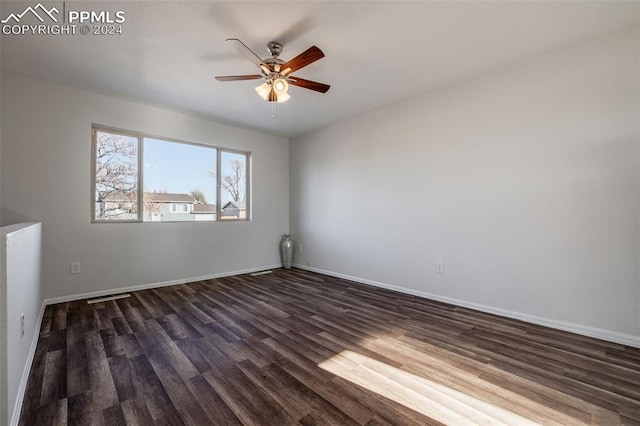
(233, 185)
(180, 208)
(116, 158)
(139, 178)
(176, 176)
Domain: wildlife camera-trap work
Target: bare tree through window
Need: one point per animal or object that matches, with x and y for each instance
(234, 177)
(198, 195)
(116, 177)
(233, 181)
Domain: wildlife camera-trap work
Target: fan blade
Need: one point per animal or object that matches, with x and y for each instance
(307, 57)
(308, 84)
(238, 77)
(244, 50)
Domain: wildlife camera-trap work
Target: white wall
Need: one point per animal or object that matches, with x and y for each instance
(525, 181)
(20, 292)
(45, 175)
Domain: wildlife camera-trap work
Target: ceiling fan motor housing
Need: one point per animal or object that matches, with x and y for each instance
(275, 48)
(275, 66)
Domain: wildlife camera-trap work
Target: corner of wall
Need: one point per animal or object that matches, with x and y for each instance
(21, 296)
(4, 415)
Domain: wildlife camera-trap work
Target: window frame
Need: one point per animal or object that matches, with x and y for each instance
(94, 148)
(247, 191)
(140, 136)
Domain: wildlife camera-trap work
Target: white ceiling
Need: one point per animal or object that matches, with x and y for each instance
(377, 53)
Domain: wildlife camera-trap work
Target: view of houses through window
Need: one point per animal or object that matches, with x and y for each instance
(180, 181)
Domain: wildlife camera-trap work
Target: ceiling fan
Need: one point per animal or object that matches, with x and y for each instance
(276, 72)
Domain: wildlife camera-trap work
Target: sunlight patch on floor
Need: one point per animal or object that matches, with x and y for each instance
(425, 396)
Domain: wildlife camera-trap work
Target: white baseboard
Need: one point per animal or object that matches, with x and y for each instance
(101, 293)
(17, 409)
(598, 333)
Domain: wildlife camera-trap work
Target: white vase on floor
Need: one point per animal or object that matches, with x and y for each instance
(286, 245)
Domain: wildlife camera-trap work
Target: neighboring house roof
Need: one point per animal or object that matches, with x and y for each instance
(167, 197)
(204, 209)
(234, 205)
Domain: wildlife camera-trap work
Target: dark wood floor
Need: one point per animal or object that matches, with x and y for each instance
(295, 347)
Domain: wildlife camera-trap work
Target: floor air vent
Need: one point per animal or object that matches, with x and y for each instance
(108, 298)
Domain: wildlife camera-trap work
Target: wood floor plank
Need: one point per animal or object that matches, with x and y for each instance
(54, 385)
(218, 411)
(284, 396)
(321, 409)
(153, 304)
(134, 314)
(59, 317)
(177, 390)
(80, 411)
(111, 341)
(77, 369)
(47, 321)
(135, 412)
(113, 416)
(57, 340)
(237, 402)
(301, 368)
(55, 412)
(102, 387)
(123, 377)
(177, 328)
(149, 389)
(296, 347)
(269, 405)
(385, 409)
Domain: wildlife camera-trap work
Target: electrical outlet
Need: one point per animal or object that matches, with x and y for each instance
(75, 267)
(21, 325)
(300, 247)
(310, 263)
(440, 267)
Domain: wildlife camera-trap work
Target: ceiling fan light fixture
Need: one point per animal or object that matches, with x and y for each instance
(280, 86)
(263, 90)
(268, 92)
(283, 98)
